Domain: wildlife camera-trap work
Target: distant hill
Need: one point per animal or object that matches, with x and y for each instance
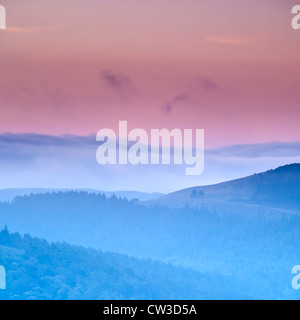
(256, 247)
(38, 270)
(10, 194)
(279, 188)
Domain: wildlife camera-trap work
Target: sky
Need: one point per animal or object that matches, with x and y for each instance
(44, 161)
(229, 67)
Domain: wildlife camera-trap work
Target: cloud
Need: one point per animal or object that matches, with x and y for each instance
(28, 30)
(271, 149)
(69, 161)
(207, 84)
(168, 107)
(22, 141)
(229, 40)
(38, 140)
(115, 80)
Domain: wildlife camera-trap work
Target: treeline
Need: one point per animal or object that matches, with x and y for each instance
(37, 269)
(255, 248)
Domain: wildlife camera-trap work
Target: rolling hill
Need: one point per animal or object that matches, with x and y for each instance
(39, 270)
(277, 189)
(255, 248)
(10, 194)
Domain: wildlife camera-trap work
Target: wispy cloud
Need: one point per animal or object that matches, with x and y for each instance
(228, 40)
(29, 30)
(271, 149)
(115, 80)
(34, 160)
(208, 84)
(40, 140)
(168, 106)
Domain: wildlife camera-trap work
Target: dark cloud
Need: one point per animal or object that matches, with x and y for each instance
(168, 107)
(37, 140)
(207, 84)
(115, 80)
(25, 141)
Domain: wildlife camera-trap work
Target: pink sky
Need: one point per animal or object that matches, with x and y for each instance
(231, 67)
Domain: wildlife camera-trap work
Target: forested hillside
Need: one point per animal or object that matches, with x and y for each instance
(278, 188)
(39, 270)
(256, 249)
